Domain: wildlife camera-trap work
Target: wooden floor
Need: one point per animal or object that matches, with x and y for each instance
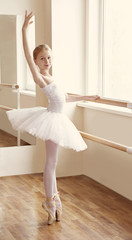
(90, 210)
(8, 140)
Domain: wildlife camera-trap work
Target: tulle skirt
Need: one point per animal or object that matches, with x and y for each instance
(47, 125)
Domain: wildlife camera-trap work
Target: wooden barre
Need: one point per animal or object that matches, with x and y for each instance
(112, 102)
(5, 108)
(109, 101)
(107, 142)
(9, 85)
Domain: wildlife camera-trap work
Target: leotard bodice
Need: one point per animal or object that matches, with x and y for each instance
(56, 98)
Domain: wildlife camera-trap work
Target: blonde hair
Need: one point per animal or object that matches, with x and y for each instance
(39, 48)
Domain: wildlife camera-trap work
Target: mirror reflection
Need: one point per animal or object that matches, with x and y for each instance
(14, 79)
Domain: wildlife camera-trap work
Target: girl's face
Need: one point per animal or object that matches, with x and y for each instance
(44, 60)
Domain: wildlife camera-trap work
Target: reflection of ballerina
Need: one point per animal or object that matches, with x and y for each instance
(49, 123)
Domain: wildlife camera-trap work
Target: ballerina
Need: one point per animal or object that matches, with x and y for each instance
(48, 124)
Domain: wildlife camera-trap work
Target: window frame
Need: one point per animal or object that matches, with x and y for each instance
(94, 47)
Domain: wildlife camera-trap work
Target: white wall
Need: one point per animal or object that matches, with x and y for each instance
(106, 165)
(68, 44)
(19, 160)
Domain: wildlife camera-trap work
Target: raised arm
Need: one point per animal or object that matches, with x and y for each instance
(75, 98)
(34, 69)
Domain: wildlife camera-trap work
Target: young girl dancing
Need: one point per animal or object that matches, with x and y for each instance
(48, 124)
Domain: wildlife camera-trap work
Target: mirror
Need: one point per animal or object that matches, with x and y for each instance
(14, 70)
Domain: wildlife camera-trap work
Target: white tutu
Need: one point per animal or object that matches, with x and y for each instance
(48, 123)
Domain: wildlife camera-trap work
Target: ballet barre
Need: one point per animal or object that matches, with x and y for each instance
(9, 85)
(106, 142)
(109, 101)
(113, 102)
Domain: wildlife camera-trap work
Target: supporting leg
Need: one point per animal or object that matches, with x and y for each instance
(49, 178)
(50, 167)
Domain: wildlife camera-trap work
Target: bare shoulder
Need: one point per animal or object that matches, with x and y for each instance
(45, 80)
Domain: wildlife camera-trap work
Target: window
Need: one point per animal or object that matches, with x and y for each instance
(110, 48)
(117, 54)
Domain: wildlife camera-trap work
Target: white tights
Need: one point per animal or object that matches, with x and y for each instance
(49, 176)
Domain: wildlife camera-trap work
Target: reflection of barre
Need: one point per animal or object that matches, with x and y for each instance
(9, 85)
(5, 108)
(107, 142)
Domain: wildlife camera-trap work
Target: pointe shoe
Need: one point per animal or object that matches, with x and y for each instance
(49, 206)
(58, 206)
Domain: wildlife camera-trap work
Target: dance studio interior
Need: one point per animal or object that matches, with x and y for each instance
(92, 55)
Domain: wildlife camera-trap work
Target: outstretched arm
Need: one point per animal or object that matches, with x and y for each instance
(34, 69)
(75, 98)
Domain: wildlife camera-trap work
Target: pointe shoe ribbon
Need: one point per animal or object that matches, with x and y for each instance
(50, 207)
(58, 206)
